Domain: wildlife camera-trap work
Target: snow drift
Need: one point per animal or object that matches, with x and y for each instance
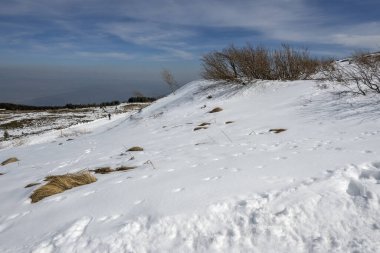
(235, 187)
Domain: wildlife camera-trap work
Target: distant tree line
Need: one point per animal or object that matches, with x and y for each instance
(10, 106)
(14, 107)
(141, 99)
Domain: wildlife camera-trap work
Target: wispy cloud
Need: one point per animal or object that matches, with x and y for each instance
(171, 28)
(102, 55)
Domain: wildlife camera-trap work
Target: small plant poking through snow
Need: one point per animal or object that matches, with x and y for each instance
(216, 109)
(10, 160)
(229, 122)
(60, 183)
(136, 148)
(204, 124)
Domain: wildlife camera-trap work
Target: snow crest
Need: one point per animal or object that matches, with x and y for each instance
(337, 212)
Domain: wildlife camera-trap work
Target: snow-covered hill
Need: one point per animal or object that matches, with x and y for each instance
(233, 187)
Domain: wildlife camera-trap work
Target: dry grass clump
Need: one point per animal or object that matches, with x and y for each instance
(31, 185)
(216, 109)
(60, 183)
(10, 160)
(277, 130)
(204, 124)
(103, 170)
(136, 148)
(229, 122)
(124, 168)
(107, 170)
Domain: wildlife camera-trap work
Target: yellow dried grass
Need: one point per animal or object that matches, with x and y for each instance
(60, 183)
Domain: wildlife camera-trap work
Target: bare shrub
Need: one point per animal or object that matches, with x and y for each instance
(361, 76)
(6, 135)
(292, 64)
(168, 78)
(60, 183)
(220, 66)
(250, 63)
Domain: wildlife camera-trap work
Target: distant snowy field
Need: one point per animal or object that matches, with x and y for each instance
(229, 188)
(20, 125)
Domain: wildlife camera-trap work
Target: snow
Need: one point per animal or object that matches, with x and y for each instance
(229, 188)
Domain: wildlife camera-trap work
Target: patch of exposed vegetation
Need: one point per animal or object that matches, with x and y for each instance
(277, 130)
(216, 109)
(60, 183)
(199, 128)
(10, 160)
(136, 148)
(31, 185)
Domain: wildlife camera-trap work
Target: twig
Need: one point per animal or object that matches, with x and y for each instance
(226, 136)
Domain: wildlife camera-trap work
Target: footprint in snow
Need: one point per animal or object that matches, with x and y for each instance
(235, 170)
(138, 202)
(108, 218)
(211, 178)
(280, 158)
(88, 193)
(367, 151)
(176, 190)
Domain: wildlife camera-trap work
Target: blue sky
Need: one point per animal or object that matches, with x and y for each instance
(54, 48)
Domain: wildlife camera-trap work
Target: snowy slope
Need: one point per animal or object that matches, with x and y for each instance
(229, 188)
